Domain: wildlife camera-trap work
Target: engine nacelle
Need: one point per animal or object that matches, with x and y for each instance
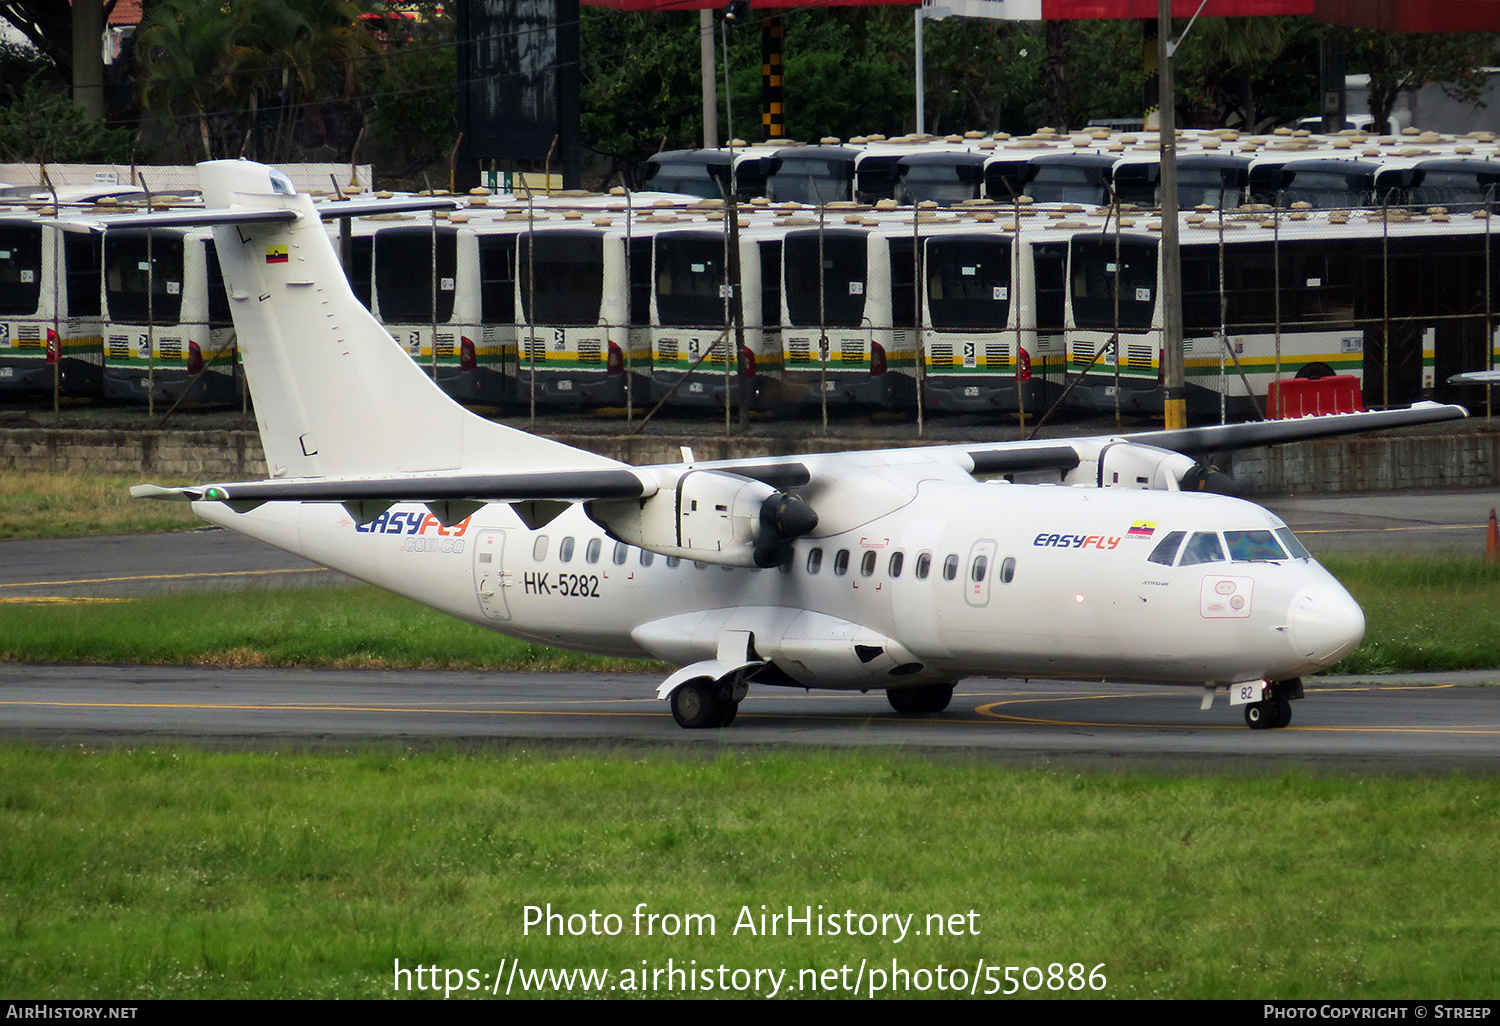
(1111, 463)
(710, 516)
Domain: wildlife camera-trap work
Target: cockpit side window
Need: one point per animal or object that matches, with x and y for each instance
(1292, 544)
(1166, 549)
(281, 184)
(1202, 547)
(1252, 546)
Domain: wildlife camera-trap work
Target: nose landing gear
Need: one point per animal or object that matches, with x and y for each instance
(1275, 709)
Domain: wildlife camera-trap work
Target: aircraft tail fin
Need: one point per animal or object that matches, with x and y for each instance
(334, 393)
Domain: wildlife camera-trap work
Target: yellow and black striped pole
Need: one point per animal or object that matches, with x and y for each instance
(772, 84)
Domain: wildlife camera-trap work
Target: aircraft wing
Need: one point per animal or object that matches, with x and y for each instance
(1489, 377)
(1228, 437)
(562, 485)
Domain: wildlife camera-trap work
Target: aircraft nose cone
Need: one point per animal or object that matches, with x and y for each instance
(1325, 624)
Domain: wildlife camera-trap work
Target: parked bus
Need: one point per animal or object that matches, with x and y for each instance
(693, 327)
(849, 315)
(1399, 306)
(168, 333)
(446, 293)
(49, 310)
(992, 333)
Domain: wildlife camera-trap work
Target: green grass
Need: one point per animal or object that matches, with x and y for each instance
(44, 505)
(179, 873)
(342, 627)
(1425, 614)
(1422, 614)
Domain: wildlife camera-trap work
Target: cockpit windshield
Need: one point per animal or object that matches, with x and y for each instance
(1257, 546)
(1250, 546)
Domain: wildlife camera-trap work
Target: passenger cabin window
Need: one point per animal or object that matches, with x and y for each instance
(1166, 549)
(950, 567)
(673, 561)
(924, 565)
(647, 557)
(841, 562)
(1203, 547)
(814, 560)
(565, 550)
(621, 551)
(867, 564)
(591, 552)
(1253, 546)
(1008, 570)
(979, 569)
(539, 548)
(894, 566)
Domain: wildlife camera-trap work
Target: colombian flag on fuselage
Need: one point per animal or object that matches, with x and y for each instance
(276, 255)
(1142, 529)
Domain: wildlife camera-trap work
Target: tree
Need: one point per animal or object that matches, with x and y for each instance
(264, 78)
(1398, 62)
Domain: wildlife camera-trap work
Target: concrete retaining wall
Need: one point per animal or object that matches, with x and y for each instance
(1466, 459)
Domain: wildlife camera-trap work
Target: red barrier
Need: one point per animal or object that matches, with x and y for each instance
(1314, 397)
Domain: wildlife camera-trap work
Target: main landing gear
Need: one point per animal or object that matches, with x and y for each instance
(704, 703)
(920, 699)
(1275, 709)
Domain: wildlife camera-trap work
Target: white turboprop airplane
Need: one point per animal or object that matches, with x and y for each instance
(904, 569)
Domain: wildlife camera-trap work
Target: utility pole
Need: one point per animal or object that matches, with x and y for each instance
(1174, 372)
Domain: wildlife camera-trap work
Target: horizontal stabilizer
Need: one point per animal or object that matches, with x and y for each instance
(189, 217)
(1227, 437)
(1489, 377)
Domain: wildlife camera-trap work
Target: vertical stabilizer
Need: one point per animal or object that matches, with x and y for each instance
(334, 394)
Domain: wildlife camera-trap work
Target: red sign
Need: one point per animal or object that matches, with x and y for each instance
(1413, 15)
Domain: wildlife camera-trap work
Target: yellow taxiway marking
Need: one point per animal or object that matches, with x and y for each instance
(38, 600)
(989, 710)
(1376, 530)
(165, 577)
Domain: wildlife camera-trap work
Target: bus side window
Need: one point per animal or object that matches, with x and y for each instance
(1166, 549)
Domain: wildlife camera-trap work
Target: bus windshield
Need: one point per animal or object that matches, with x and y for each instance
(689, 271)
(842, 274)
(1114, 283)
(968, 283)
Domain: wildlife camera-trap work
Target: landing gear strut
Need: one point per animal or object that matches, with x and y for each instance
(1275, 710)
